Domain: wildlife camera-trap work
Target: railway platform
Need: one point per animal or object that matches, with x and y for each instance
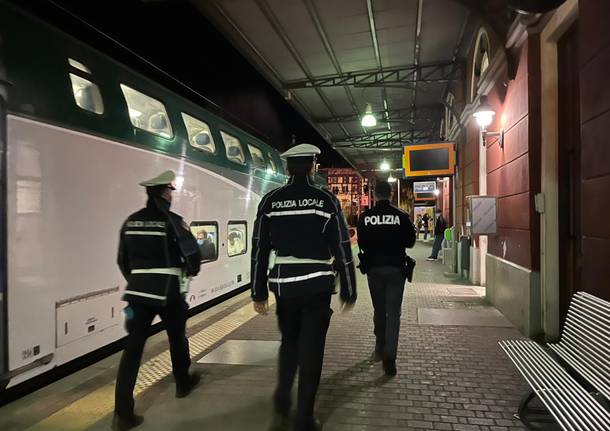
(452, 374)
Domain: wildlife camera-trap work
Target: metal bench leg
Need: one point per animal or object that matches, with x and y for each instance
(523, 405)
(525, 412)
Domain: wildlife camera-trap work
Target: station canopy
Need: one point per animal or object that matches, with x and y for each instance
(332, 58)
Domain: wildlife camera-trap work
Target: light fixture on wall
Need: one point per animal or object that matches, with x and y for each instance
(368, 119)
(484, 115)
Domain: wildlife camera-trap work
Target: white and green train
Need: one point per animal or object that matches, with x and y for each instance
(78, 131)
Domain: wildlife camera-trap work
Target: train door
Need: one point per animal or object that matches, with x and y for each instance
(569, 181)
(3, 248)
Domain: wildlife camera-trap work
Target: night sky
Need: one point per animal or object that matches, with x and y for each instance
(177, 38)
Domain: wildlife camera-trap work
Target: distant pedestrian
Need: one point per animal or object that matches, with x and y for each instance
(426, 224)
(439, 234)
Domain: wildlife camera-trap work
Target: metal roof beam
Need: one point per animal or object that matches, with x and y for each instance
(315, 17)
(428, 111)
(402, 135)
(281, 33)
(394, 75)
(395, 144)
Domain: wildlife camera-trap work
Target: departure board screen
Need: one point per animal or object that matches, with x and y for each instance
(429, 159)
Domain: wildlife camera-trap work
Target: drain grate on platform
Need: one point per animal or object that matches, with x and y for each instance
(483, 316)
(462, 291)
(244, 352)
(160, 366)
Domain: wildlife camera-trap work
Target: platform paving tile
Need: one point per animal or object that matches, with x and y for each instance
(449, 377)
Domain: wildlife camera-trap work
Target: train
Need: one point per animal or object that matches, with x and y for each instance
(78, 132)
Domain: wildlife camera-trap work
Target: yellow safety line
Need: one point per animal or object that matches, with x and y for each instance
(94, 406)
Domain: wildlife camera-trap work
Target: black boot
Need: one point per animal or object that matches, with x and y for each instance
(389, 366)
(280, 422)
(185, 388)
(124, 423)
(310, 424)
(377, 355)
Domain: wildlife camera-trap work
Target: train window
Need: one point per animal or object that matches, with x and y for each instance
(235, 152)
(200, 136)
(147, 113)
(257, 156)
(237, 238)
(78, 65)
(272, 165)
(206, 233)
(86, 94)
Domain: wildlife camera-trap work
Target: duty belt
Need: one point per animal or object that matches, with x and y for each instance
(298, 260)
(165, 271)
(184, 280)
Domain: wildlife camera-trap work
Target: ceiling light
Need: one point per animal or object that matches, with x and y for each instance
(368, 119)
(391, 179)
(385, 166)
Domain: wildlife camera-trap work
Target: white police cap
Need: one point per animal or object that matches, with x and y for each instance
(166, 178)
(301, 150)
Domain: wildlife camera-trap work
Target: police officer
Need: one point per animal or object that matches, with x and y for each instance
(384, 232)
(157, 255)
(302, 227)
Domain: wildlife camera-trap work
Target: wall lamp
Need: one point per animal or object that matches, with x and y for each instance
(484, 116)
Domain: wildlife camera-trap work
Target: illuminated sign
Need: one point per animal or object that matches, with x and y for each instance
(424, 187)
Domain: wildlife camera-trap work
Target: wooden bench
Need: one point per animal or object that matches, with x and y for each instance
(572, 377)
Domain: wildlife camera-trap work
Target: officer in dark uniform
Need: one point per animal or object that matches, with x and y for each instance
(302, 227)
(157, 255)
(384, 232)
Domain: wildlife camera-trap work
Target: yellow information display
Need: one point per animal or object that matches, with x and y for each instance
(429, 159)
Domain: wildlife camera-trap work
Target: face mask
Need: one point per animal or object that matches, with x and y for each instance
(200, 241)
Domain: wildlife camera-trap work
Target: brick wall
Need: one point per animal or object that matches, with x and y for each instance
(513, 174)
(594, 47)
(511, 171)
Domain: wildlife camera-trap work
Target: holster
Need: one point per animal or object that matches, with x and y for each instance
(362, 266)
(407, 269)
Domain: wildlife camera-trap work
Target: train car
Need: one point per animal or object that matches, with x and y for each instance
(78, 131)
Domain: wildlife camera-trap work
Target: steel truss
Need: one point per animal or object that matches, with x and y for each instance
(392, 76)
(393, 139)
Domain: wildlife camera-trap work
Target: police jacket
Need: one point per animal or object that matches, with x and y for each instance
(384, 232)
(156, 253)
(304, 227)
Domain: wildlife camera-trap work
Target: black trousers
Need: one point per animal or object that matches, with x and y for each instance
(387, 284)
(436, 247)
(174, 317)
(303, 323)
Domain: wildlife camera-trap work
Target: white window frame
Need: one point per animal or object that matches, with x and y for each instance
(238, 222)
(126, 89)
(204, 127)
(241, 147)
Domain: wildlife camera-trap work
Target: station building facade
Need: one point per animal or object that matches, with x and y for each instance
(547, 83)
